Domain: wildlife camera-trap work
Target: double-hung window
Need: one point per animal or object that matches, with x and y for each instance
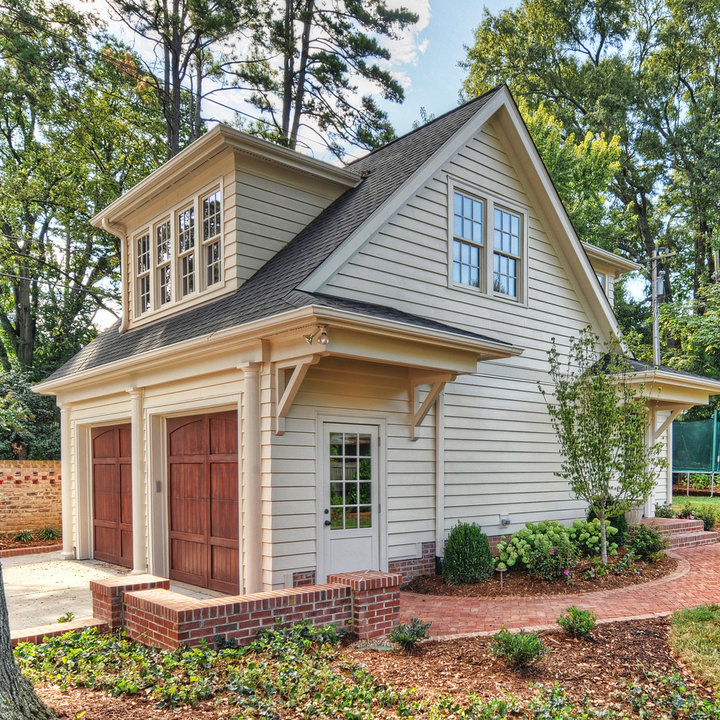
(506, 255)
(467, 239)
(179, 253)
(211, 237)
(487, 244)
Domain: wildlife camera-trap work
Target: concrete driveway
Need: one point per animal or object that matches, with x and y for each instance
(42, 588)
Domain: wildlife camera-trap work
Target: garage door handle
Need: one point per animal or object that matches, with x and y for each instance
(327, 523)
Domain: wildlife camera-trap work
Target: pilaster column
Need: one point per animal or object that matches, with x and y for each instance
(251, 515)
(66, 484)
(139, 485)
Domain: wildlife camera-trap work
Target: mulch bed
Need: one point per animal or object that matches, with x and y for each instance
(517, 583)
(7, 543)
(599, 667)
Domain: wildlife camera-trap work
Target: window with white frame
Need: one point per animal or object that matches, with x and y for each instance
(142, 250)
(467, 239)
(174, 258)
(506, 253)
(211, 237)
(486, 244)
(186, 250)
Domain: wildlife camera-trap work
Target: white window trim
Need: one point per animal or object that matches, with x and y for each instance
(201, 286)
(490, 201)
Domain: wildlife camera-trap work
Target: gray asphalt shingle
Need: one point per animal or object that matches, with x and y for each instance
(272, 289)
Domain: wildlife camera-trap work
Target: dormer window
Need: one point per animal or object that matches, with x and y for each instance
(211, 237)
(171, 261)
(506, 258)
(186, 250)
(143, 272)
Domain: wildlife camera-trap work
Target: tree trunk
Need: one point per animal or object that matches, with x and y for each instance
(18, 700)
(603, 537)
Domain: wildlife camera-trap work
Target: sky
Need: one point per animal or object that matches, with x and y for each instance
(428, 60)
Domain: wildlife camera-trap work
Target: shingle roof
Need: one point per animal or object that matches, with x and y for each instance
(272, 289)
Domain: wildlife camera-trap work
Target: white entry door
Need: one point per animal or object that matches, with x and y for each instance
(350, 485)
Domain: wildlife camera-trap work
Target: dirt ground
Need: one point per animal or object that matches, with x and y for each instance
(517, 583)
(455, 667)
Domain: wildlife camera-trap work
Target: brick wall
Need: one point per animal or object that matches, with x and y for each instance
(30, 495)
(415, 567)
(366, 602)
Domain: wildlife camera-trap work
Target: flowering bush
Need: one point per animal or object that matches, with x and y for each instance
(516, 551)
(552, 560)
(585, 535)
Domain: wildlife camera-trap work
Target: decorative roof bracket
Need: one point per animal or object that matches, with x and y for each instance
(437, 382)
(287, 389)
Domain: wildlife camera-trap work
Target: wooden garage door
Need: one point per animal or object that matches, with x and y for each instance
(203, 495)
(112, 494)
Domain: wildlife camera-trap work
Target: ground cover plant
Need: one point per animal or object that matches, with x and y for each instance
(306, 673)
(25, 538)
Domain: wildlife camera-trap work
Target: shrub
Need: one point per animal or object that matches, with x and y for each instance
(467, 555)
(517, 650)
(552, 560)
(664, 511)
(49, 533)
(24, 536)
(646, 542)
(706, 513)
(618, 522)
(516, 551)
(577, 622)
(585, 535)
(408, 636)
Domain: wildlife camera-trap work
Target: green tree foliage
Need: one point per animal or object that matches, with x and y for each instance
(74, 133)
(326, 50)
(645, 73)
(600, 418)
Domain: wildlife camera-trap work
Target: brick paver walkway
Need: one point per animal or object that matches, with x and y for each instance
(696, 581)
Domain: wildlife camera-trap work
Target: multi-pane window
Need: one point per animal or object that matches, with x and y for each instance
(186, 250)
(179, 254)
(211, 209)
(467, 239)
(163, 248)
(506, 255)
(350, 481)
(142, 247)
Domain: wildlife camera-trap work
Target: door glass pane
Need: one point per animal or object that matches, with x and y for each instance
(351, 518)
(365, 492)
(351, 495)
(335, 444)
(364, 446)
(336, 493)
(365, 516)
(336, 469)
(336, 519)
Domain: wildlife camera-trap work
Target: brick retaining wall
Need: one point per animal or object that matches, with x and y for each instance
(366, 602)
(30, 495)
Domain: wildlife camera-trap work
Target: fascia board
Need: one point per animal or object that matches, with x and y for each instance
(620, 264)
(203, 149)
(660, 377)
(579, 260)
(373, 223)
(244, 338)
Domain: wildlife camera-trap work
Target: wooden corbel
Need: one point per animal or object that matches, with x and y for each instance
(656, 432)
(437, 382)
(287, 390)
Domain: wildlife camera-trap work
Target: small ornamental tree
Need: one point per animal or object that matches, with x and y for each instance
(601, 421)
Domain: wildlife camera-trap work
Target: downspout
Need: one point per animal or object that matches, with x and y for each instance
(439, 479)
(124, 309)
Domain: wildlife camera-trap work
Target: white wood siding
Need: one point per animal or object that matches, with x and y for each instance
(350, 392)
(501, 453)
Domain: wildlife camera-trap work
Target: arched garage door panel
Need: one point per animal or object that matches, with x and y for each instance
(203, 492)
(112, 494)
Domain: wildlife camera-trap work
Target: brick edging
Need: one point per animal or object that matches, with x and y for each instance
(37, 634)
(682, 569)
(30, 550)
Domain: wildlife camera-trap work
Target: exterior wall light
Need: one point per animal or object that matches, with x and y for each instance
(322, 336)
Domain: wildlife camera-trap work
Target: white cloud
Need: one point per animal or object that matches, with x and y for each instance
(407, 48)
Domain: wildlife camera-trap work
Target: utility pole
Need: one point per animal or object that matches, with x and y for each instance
(655, 298)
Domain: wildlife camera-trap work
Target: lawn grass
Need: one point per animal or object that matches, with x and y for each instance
(695, 637)
(680, 500)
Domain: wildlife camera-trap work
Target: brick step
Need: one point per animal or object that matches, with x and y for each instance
(668, 526)
(692, 539)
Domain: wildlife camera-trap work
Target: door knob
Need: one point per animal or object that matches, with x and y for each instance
(327, 522)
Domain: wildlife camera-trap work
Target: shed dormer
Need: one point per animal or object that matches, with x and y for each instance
(608, 268)
(207, 220)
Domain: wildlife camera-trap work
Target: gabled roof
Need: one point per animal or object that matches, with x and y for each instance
(272, 289)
